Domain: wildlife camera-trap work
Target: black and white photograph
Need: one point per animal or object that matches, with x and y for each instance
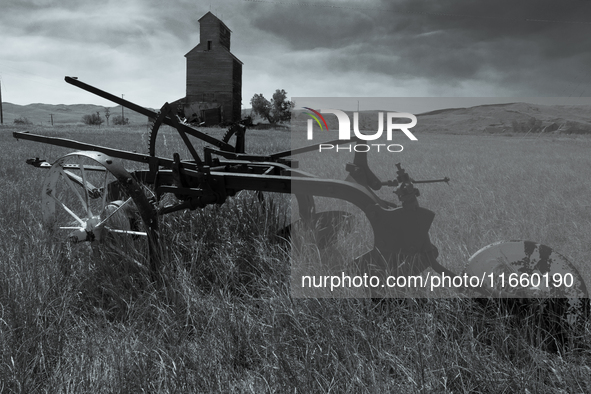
(259, 196)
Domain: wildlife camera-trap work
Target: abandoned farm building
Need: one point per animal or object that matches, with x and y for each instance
(214, 76)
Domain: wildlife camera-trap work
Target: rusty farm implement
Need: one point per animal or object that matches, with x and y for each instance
(89, 197)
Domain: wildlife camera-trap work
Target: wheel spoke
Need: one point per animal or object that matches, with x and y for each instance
(82, 223)
(114, 230)
(105, 191)
(121, 234)
(88, 212)
(78, 180)
(74, 189)
(114, 212)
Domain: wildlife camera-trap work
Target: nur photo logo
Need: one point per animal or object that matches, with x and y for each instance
(345, 129)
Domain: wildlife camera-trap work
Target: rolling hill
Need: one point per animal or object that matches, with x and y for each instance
(489, 119)
(64, 114)
(496, 118)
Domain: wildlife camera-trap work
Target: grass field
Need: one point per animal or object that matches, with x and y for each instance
(224, 320)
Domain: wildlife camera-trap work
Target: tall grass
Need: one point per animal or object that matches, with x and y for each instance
(224, 320)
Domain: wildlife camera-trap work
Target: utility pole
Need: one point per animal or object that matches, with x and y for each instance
(51, 119)
(122, 115)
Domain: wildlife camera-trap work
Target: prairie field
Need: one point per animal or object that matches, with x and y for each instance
(224, 320)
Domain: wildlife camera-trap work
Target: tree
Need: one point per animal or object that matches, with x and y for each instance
(107, 114)
(119, 120)
(277, 110)
(93, 119)
(22, 120)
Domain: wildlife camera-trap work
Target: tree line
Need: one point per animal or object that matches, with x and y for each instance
(276, 110)
(96, 119)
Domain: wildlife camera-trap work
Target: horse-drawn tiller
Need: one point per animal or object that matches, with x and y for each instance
(89, 197)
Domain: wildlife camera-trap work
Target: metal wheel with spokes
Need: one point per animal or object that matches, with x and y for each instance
(90, 200)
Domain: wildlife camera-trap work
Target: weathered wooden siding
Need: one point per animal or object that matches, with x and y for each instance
(209, 71)
(224, 37)
(236, 90)
(214, 30)
(211, 78)
(214, 75)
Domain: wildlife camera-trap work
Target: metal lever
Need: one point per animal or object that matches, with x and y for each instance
(446, 180)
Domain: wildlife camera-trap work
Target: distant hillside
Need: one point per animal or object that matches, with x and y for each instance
(72, 114)
(495, 118)
(515, 117)
(64, 114)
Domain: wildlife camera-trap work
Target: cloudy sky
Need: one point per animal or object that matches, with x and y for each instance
(389, 48)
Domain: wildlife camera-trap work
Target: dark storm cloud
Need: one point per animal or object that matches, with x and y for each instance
(536, 47)
(324, 48)
(87, 22)
(129, 46)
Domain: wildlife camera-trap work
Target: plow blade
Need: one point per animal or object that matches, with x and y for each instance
(325, 226)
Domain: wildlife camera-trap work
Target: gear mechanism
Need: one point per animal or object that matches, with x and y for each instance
(239, 130)
(154, 133)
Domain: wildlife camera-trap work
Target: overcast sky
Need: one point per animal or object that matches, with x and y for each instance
(367, 48)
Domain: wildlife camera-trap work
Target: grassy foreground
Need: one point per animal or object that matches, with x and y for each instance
(225, 322)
